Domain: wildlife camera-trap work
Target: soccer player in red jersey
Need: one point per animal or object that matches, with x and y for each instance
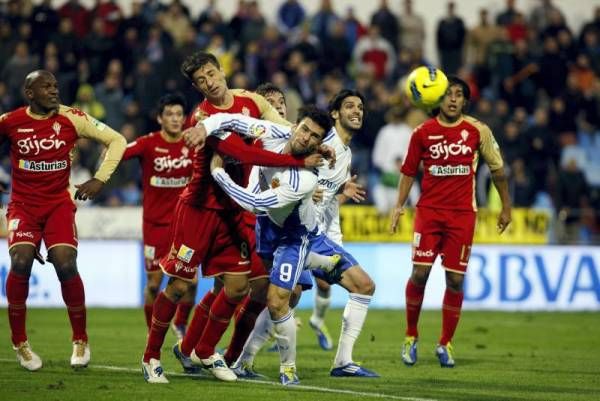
(209, 230)
(449, 145)
(166, 170)
(41, 138)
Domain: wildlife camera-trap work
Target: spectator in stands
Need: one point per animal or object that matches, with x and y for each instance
(354, 29)
(507, 16)
(541, 149)
(323, 20)
(386, 21)
(374, 53)
(86, 101)
(540, 15)
(412, 29)
(175, 22)
(16, 69)
(110, 13)
(451, 34)
(572, 197)
(478, 42)
(79, 16)
(521, 184)
(289, 16)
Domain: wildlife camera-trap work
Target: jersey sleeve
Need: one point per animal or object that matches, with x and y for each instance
(134, 149)
(490, 151)
(3, 124)
(219, 124)
(233, 146)
(88, 127)
(410, 167)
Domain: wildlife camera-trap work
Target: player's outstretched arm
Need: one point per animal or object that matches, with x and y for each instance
(352, 190)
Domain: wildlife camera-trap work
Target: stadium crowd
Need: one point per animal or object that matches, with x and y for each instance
(533, 80)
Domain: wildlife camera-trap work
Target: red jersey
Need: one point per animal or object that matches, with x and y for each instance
(40, 151)
(166, 170)
(202, 190)
(450, 155)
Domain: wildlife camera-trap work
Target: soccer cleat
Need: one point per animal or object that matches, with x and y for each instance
(26, 357)
(352, 370)
(215, 365)
(185, 361)
(445, 354)
(81, 354)
(178, 330)
(287, 376)
(153, 372)
(245, 370)
(409, 351)
(334, 272)
(323, 336)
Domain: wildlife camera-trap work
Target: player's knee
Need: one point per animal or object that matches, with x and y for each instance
(295, 296)
(236, 291)
(176, 289)
(366, 286)
(419, 276)
(323, 288)
(65, 269)
(152, 289)
(21, 264)
(455, 282)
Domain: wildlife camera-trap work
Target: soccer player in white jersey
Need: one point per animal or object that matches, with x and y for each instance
(287, 199)
(346, 109)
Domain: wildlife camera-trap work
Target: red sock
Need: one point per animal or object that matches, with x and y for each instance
(148, 314)
(450, 314)
(197, 324)
(17, 289)
(74, 297)
(414, 300)
(244, 323)
(218, 319)
(162, 313)
(183, 312)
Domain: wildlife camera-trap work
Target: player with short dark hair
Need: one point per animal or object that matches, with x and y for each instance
(41, 138)
(166, 170)
(449, 146)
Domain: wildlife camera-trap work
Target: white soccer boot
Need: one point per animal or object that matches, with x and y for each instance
(153, 372)
(81, 354)
(26, 357)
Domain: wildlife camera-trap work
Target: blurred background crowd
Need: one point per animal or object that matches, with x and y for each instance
(534, 81)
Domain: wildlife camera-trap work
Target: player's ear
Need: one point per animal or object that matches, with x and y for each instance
(335, 114)
(159, 119)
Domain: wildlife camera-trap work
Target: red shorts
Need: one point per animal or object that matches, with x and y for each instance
(208, 237)
(219, 265)
(156, 244)
(30, 224)
(448, 233)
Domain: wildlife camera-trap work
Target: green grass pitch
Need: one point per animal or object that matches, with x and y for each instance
(499, 356)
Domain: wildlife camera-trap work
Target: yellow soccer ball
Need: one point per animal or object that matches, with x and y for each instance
(425, 87)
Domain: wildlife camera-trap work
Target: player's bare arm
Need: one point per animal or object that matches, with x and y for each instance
(404, 187)
(501, 183)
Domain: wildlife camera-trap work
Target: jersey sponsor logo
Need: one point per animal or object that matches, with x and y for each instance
(98, 124)
(435, 137)
(43, 166)
(34, 146)
(161, 150)
(328, 184)
(149, 251)
(24, 130)
(416, 238)
(185, 253)
(169, 182)
(166, 163)
(445, 149)
(13, 224)
(187, 269)
(441, 171)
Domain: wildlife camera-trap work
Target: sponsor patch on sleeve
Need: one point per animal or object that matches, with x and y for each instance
(149, 251)
(185, 254)
(13, 224)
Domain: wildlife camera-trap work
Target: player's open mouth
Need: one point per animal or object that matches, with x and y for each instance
(355, 120)
(452, 107)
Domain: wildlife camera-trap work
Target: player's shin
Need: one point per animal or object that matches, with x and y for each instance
(260, 335)
(285, 334)
(244, 323)
(163, 311)
(197, 324)
(354, 317)
(451, 309)
(74, 296)
(17, 289)
(414, 300)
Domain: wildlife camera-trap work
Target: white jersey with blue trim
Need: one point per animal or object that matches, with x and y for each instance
(331, 180)
(285, 192)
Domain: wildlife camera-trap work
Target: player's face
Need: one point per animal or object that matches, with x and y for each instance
(277, 100)
(350, 115)
(171, 119)
(210, 81)
(43, 93)
(453, 103)
(306, 138)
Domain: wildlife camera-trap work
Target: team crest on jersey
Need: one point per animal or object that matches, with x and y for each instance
(185, 254)
(56, 127)
(149, 252)
(464, 134)
(200, 115)
(245, 111)
(275, 183)
(258, 130)
(185, 151)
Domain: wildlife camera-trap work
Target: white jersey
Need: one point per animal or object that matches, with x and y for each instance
(285, 192)
(331, 180)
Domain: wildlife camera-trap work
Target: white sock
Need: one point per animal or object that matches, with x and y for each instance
(263, 329)
(322, 301)
(285, 334)
(353, 319)
(318, 261)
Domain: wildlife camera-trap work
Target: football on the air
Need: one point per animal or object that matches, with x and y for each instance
(425, 87)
